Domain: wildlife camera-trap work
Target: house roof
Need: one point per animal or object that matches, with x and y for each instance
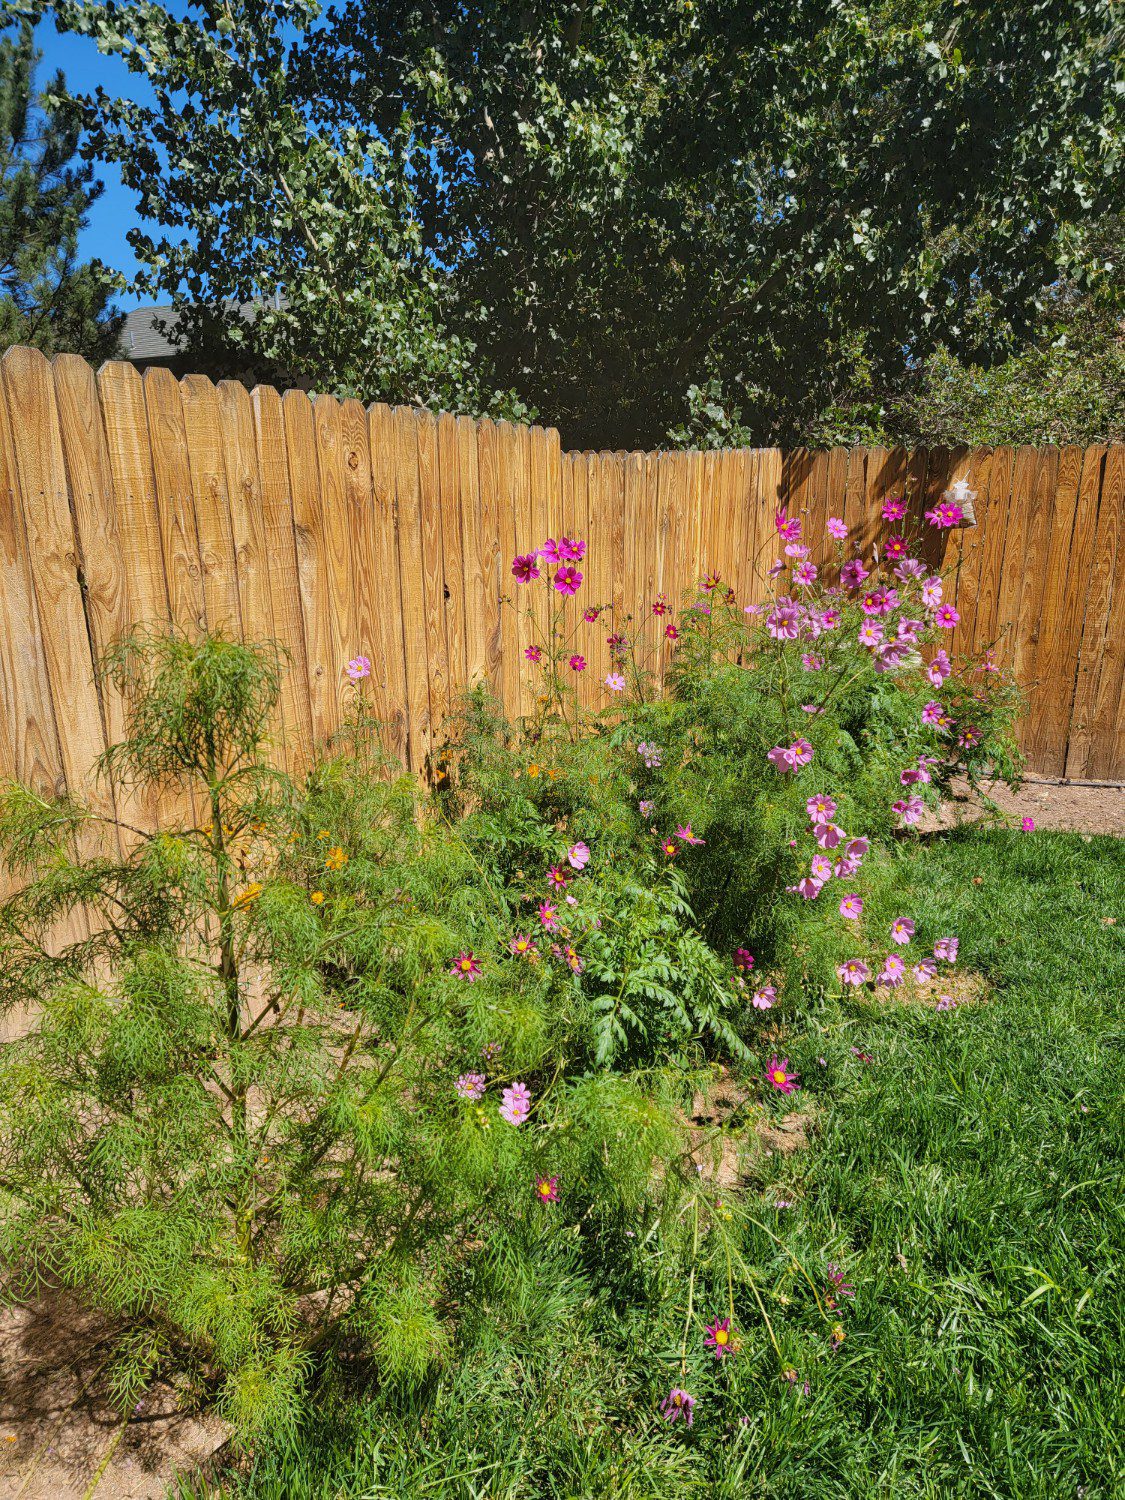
(140, 337)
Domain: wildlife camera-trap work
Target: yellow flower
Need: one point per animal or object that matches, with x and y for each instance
(837, 1333)
(324, 834)
(317, 898)
(554, 775)
(249, 895)
(336, 858)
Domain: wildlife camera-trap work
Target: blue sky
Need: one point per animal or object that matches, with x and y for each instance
(115, 212)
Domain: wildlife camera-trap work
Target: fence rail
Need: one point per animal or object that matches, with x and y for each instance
(340, 530)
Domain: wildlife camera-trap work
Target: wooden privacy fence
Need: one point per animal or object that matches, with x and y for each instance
(340, 530)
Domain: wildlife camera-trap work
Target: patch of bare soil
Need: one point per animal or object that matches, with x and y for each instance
(728, 1128)
(1056, 806)
(59, 1431)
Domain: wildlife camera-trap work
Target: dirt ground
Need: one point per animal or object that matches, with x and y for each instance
(57, 1428)
(1057, 806)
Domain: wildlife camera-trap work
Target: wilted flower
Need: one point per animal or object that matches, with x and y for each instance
(946, 949)
(811, 662)
(465, 966)
(779, 1076)
(358, 668)
(677, 1404)
(547, 1189)
(517, 1104)
(471, 1086)
(924, 972)
(775, 567)
(743, 960)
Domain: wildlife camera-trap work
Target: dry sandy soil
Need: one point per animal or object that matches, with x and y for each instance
(1058, 806)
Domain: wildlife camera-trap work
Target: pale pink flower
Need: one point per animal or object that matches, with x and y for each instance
(517, 1104)
(933, 713)
(827, 835)
(578, 856)
(924, 972)
(764, 998)
(820, 808)
(804, 574)
(909, 567)
(820, 868)
(836, 528)
(775, 567)
(931, 593)
(808, 888)
(902, 930)
(851, 907)
(870, 633)
(892, 972)
(812, 663)
(946, 949)
(853, 971)
(845, 867)
(940, 668)
(784, 621)
(358, 668)
(802, 752)
(797, 550)
(615, 682)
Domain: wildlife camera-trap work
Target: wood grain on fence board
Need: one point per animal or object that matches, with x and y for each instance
(175, 505)
(1104, 712)
(389, 661)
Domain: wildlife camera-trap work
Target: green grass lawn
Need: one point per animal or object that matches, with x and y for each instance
(969, 1180)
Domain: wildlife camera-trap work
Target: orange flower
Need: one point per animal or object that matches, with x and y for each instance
(533, 770)
(336, 858)
(248, 896)
(317, 898)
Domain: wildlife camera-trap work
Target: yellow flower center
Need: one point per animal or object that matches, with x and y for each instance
(721, 1336)
(778, 1075)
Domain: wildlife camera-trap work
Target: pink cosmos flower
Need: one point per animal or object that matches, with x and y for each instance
(889, 655)
(909, 630)
(853, 573)
(894, 508)
(775, 567)
(845, 867)
(764, 998)
(517, 1104)
(753, 609)
(720, 1337)
(946, 616)
(827, 835)
(946, 1002)
(820, 808)
(924, 972)
(797, 550)
(969, 737)
(534, 653)
(671, 633)
(812, 663)
(548, 915)
(1028, 825)
(946, 949)
(686, 836)
(913, 774)
(677, 1404)
(856, 848)
(578, 856)
(547, 1189)
(812, 708)
(851, 907)
(828, 619)
(660, 605)
(615, 682)
(894, 547)
(550, 551)
(854, 972)
(568, 580)
(909, 567)
(577, 663)
(782, 758)
(802, 752)
(946, 514)
(932, 713)
(466, 966)
(892, 972)
(779, 1076)
(522, 946)
(490, 1051)
(591, 615)
(870, 633)
(784, 621)
(524, 567)
(940, 668)
(931, 593)
(358, 668)
(879, 601)
(645, 808)
(470, 1086)
(902, 930)
(787, 530)
(836, 528)
(571, 551)
(909, 810)
(557, 877)
(820, 868)
(804, 574)
(743, 960)
(807, 888)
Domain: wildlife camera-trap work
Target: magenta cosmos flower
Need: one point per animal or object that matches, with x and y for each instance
(894, 508)
(571, 550)
(879, 601)
(358, 668)
(820, 808)
(685, 835)
(946, 616)
(945, 515)
(804, 574)
(660, 604)
(779, 1076)
(902, 930)
(933, 713)
(946, 949)
(517, 1104)
(787, 530)
(671, 633)
(568, 580)
(940, 668)
(820, 868)
(534, 653)
(677, 1404)
(557, 877)
(743, 960)
(1028, 825)
(836, 528)
(578, 855)
(895, 547)
(577, 663)
(870, 633)
(721, 1337)
(853, 971)
(851, 907)
(784, 621)
(522, 946)
(853, 573)
(547, 1189)
(525, 567)
(466, 966)
(909, 809)
(548, 915)
(470, 1086)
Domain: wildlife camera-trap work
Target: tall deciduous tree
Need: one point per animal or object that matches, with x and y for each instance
(48, 296)
(599, 206)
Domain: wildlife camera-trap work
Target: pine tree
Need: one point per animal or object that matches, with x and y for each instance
(48, 296)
